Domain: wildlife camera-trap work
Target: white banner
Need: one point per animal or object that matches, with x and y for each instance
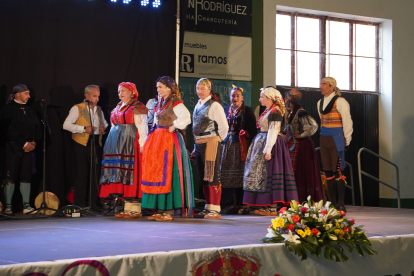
(395, 255)
(216, 57)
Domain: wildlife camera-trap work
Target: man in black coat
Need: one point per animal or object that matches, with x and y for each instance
(23, 129)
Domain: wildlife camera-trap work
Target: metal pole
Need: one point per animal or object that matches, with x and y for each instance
(360, 177)
(177, 45)
(398, 187)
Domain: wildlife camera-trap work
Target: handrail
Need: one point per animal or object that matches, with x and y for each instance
(351, 187)
(360, 172)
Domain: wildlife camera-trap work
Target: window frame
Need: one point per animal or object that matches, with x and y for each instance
(322, 50)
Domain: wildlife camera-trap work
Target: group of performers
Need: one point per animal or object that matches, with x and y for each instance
(241, 161)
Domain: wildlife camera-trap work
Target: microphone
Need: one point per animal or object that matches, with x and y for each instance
(87, 101)
(41, 101)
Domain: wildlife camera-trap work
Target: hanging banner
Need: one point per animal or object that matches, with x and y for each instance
(230, 17)
(223, 87)
(216, 56)
(394, 258)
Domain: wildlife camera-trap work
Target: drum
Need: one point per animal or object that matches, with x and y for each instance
(51, 200)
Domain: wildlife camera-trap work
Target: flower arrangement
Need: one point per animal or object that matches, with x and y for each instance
(319, 229)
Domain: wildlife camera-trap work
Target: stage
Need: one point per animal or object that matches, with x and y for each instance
(94, 244)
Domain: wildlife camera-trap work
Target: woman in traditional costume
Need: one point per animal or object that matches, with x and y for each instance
(299, 126)
(242, 130)
(268, 174)
(167, 180)
(121, 162)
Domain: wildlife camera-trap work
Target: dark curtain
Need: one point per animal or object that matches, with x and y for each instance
(59, 47)
(364, 113)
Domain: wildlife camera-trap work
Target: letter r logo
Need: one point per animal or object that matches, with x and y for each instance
(187, 63)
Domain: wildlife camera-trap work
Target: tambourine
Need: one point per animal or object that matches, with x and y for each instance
(51, 200)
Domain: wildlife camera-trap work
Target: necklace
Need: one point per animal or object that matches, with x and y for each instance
(263, 114)
(232, 115)
(160, 108)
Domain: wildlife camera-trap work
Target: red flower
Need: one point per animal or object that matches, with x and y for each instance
(290, 227)
(303, 210)
(352, 221)
(346, 229)
(296, 218)
(315, 231)
(342, 213)
(323, 213)
(282, 210)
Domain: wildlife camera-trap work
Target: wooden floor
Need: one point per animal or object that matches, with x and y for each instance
(48, 239)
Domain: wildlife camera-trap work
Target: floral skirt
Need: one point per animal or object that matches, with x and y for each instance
(280, 183)
(232, 168)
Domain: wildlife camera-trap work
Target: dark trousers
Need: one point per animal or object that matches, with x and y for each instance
(83, 161)
(232, 196)
(329, 154)
(19, 163)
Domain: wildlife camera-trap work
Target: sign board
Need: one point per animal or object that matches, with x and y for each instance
(230, 17)
(216, 57)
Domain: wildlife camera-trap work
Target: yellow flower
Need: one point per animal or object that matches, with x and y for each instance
(337, 231)
(308, 232)
(278, 222)
(301, 233)
(307, 229)
(337, 225)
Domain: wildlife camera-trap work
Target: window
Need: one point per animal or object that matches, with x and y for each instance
(310, 47)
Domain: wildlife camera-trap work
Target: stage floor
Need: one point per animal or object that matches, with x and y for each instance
(51, 239)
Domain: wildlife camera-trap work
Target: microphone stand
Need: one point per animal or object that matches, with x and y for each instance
(43, 206)
(93, 162)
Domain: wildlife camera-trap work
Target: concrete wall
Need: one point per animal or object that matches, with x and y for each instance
(396, 100)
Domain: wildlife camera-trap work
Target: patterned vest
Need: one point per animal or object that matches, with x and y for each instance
(202, 124)
(167, 117)
(332, 119)
(84, 120)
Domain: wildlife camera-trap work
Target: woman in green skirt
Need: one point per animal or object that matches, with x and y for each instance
(167, 180)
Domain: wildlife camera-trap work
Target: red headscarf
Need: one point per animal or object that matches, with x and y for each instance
(131, 87)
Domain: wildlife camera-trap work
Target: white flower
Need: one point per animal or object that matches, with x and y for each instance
(291, 238)
(320, 219)
(306, 205)
(320, 204)
(331, 213)
(270, 233)
(327, 204)
(327, 226)
(289, 218)
(306, 215)
(314, 216)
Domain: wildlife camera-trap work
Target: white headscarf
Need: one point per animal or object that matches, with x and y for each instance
(275, 96)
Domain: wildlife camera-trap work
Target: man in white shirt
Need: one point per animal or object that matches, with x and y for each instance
(336, 135)
(87, 124)
(210, 127)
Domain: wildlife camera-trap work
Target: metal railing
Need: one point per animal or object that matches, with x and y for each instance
(360, 172)
(351, 187)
